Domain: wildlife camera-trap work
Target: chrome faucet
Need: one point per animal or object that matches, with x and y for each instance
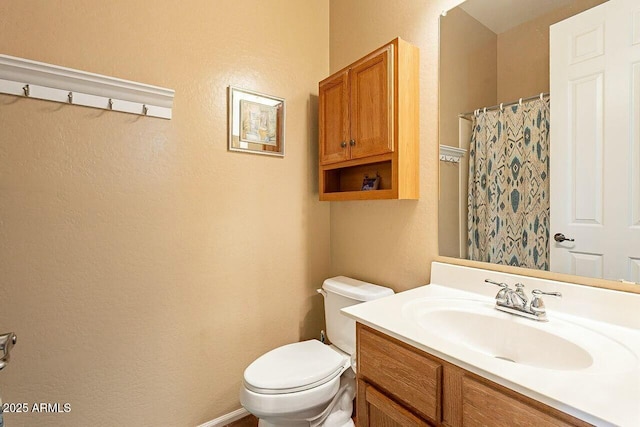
(518, 298)
(516, 301)
(7, 341)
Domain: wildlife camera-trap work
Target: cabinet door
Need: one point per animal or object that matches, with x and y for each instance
(381, 411)
(333, 119)
(372, 101)
(405, 373)
(484, 406)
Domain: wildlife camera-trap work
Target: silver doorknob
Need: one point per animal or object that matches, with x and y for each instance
(352, 142)
(343, 144)
(559, 237)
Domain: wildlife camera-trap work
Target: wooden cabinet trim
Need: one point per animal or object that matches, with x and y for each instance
(392, 409)
(398, 118)
(463, 396)
(522, 410)
(378, 120)
(401, 371)
(340, 113)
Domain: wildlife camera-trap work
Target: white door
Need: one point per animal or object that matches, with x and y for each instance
(595, 142)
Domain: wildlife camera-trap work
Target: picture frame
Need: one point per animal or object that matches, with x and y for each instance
(256, 122)
(369, 184)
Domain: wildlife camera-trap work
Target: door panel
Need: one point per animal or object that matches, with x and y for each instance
(371, 106)
(333, 118)
(595, 142)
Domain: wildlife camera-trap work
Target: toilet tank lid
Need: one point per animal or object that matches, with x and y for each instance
(355, 289)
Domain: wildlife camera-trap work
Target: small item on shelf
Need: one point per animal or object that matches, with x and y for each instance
(370, 183)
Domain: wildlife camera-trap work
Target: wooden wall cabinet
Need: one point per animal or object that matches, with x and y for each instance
(368, 122)
(399, 385)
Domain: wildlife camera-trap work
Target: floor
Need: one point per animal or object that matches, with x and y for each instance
(248, 421)
(251, 421)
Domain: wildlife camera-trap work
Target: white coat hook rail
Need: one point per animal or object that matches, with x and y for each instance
(451, 154)
(32, 79)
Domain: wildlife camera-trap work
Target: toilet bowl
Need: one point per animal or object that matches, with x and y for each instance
(310, 383)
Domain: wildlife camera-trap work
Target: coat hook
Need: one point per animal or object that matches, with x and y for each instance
(25, 88)
(145, 110)
(70, 97)
(110, 104)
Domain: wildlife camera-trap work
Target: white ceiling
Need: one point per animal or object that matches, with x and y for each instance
(502, 15)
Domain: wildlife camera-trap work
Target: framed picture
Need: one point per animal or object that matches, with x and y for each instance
(256, 122)
(369, 184)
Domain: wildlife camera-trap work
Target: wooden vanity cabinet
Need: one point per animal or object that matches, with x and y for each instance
(368, 124)
(399, 385)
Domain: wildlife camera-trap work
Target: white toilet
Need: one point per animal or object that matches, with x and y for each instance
(309, 383)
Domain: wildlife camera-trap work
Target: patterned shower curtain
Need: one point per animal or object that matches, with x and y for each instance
(508, 200)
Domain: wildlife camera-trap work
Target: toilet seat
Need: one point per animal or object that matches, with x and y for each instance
(295, 367)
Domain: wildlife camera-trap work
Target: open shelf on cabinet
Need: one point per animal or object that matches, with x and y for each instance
(345, 183)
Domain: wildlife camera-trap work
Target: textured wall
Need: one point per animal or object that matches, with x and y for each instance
(523, 53)
(390, 242)
(394, 242)
(468, 61)
(144, 266)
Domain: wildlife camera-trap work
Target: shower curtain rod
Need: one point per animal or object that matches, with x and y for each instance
(502, 105)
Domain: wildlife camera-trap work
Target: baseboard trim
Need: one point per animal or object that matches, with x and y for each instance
(226, 419)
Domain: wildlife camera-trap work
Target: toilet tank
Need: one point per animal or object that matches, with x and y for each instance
(340, 292)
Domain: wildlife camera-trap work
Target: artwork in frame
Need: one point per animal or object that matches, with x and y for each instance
(256, 122)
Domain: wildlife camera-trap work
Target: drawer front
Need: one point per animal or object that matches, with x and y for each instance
(384, 412)
(483, 405)
(406, 374)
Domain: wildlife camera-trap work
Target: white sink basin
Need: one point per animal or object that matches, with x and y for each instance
(557, 344)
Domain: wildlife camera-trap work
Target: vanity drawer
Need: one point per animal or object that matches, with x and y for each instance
(483, 405)
(382, 411)
(401, 371)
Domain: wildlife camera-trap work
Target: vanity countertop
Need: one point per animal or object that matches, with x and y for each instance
(606, 393)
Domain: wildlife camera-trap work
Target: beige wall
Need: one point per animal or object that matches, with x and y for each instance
(523, 53)
(448, 209)
(143, 265)
(394, 242)
(469, 61)
(390, 242)
(469, 79)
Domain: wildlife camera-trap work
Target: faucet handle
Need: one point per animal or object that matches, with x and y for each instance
(538, 292)
(501, 284)
(7, 342)
(537, 306)
(501, 296)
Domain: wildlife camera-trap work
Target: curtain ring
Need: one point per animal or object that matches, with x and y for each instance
(485, 110)
(520, 102)
(501, 109)
(541, 96)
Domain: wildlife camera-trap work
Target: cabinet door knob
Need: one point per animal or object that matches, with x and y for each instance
(343, 144)
(352, 142)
